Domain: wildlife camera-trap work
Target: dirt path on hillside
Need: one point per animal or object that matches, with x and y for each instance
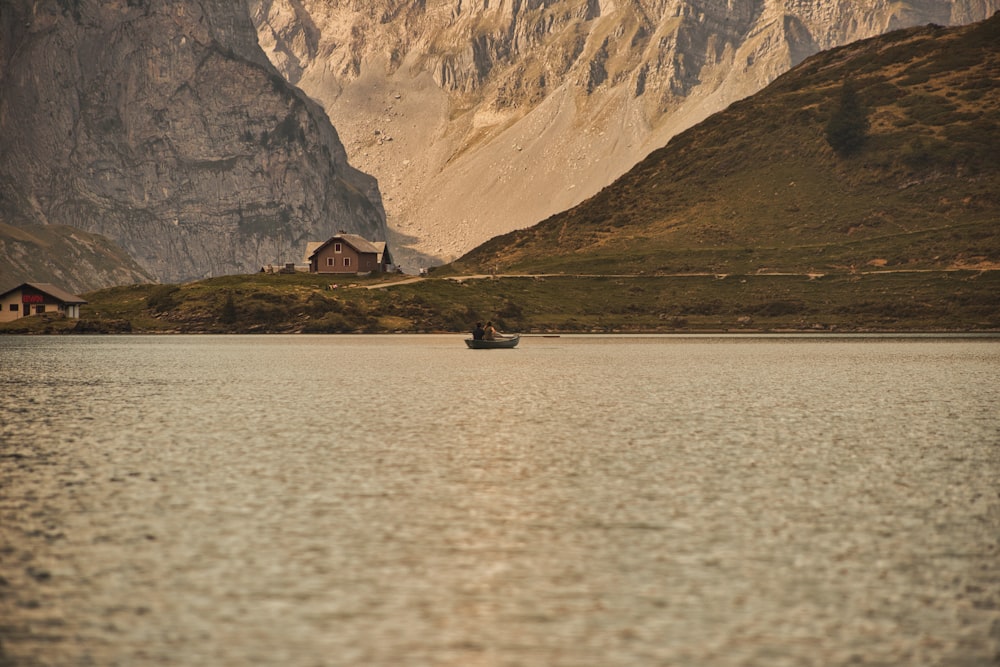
(982, 268)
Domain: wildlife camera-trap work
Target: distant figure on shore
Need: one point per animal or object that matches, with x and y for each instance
(478, 332)
(491, 332)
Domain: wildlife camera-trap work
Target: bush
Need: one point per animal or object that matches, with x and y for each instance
(228, 314)
(266, 315)
(702, 308)
(930, 109)
(269, 297)
(329, 323)
(920, 153)
(163, 298)
(847, 129)
(511, 310)
(318, 305)
(779, 308)
(452, 319)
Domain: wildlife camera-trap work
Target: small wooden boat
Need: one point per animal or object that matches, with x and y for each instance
(496, 344)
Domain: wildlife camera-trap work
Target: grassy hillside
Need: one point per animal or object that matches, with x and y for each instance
(757, 188)
(74, 259)
(934, 301)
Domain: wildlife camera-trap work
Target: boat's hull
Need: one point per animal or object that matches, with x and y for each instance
(498, 344)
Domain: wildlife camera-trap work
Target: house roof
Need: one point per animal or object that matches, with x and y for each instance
(383, 252)
(46, 288)
(353, 240)
(311, 249)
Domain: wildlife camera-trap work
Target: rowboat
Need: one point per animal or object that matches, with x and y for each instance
(496, 344)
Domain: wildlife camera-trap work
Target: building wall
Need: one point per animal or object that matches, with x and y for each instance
(355, 262)
(369, 262)
(6, 314)
(36, 304)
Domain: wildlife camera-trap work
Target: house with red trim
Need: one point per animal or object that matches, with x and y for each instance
(349, 253)
(37, 298)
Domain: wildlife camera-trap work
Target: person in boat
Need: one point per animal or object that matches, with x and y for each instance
(479, 332)
(491, 332)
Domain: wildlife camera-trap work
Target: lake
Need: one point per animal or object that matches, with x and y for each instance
(578, 501)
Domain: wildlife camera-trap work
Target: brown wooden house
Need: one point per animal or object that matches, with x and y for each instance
(37, 298)
(349, 253)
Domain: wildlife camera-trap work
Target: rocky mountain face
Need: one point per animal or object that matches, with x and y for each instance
(764, 187)
(163, 127)
(483, 116)
(73, 259)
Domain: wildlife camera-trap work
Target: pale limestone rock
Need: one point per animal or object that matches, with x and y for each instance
(164, 127)
(585, 89)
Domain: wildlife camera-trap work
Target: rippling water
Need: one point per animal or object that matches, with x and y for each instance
(580, 501)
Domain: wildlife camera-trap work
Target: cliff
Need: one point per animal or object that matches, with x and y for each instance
(479, 116)
(163, 127)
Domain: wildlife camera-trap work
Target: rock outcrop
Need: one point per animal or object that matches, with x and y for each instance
(483, 116)
(71, 258)
(164, 127)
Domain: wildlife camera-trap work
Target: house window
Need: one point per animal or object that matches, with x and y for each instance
(13, 307)
(337, 247)
(39, 310)
(347, 261)
(330, 261)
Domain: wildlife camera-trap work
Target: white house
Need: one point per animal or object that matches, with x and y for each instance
(36, 298)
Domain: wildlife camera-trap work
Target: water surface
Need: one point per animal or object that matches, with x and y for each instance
(579, 501)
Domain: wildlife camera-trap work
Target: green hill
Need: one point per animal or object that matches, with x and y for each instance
(757, 188)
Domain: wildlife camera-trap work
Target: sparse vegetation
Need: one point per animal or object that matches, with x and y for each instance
(756, 188)
(878, 301)
(162, 298)
(228, 314)
(847, 128)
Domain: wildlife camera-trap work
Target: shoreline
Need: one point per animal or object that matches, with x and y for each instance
(680, 333)
(892, 303)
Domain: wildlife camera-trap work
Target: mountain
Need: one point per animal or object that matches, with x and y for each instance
(759, 187)
(163, 127)
(71, 258)
(483, 116)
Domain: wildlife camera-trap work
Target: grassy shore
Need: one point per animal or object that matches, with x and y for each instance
(896, 302)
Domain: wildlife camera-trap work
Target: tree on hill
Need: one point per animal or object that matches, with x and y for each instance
(847, 128)
(228, 315)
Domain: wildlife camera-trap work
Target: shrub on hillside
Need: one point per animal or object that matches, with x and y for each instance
(329, 323)
(228, 314)
(847, 129)
(163, 298)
